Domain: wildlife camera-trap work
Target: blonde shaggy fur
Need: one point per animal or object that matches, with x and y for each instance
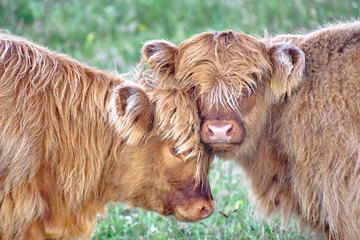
(302, 122)
(72, 139)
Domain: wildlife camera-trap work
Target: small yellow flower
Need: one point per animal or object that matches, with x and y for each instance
(239, 204)
(90, 37)
(142, 27)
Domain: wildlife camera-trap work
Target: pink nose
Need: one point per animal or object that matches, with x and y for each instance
(222, 131)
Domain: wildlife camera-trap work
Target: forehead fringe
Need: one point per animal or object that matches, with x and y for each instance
(222, 66)
(176, 118)
(227, 90)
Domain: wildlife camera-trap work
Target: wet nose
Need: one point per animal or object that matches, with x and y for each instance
(221, 131)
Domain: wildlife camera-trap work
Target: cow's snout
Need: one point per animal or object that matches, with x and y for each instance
(206, 209)
(220, 132)
(195, 211)
(214, 131)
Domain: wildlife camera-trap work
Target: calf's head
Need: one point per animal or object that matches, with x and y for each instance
(235, 78)
(158, 171)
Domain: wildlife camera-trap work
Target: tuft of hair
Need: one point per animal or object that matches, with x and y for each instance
(223, 65)
(176, 118)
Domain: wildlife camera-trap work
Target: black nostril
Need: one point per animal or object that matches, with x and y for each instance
(211, 133)
(230, 131)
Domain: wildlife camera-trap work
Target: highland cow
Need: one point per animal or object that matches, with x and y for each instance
(287, 108)
(74, 138)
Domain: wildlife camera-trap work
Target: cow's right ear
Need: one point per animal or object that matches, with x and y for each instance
(160, 56)
(131, 113)
(288, 63)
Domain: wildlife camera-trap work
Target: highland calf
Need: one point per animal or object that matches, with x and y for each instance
(287, 108)
(74, 138)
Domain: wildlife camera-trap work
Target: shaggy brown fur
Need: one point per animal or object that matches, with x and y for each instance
(180, 122)
(74, 138)
(297, 98)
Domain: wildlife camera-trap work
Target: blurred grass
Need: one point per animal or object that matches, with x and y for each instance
(109, 34)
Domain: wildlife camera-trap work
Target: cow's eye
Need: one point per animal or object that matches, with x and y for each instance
(246, 91)
(174, 151)
(249, 89)
(252, 86)
(193, 91)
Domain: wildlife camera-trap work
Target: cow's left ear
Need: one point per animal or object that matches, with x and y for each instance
(288, 63)
(131, 113)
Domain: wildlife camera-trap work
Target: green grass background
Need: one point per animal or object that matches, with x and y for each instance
(109, 34)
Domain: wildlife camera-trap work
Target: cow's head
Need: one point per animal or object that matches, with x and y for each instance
(163, 172)
(235, 78)
(159, 179)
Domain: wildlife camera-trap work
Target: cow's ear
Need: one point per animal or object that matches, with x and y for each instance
(288, 63)
(131, 113)
(159, 56)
